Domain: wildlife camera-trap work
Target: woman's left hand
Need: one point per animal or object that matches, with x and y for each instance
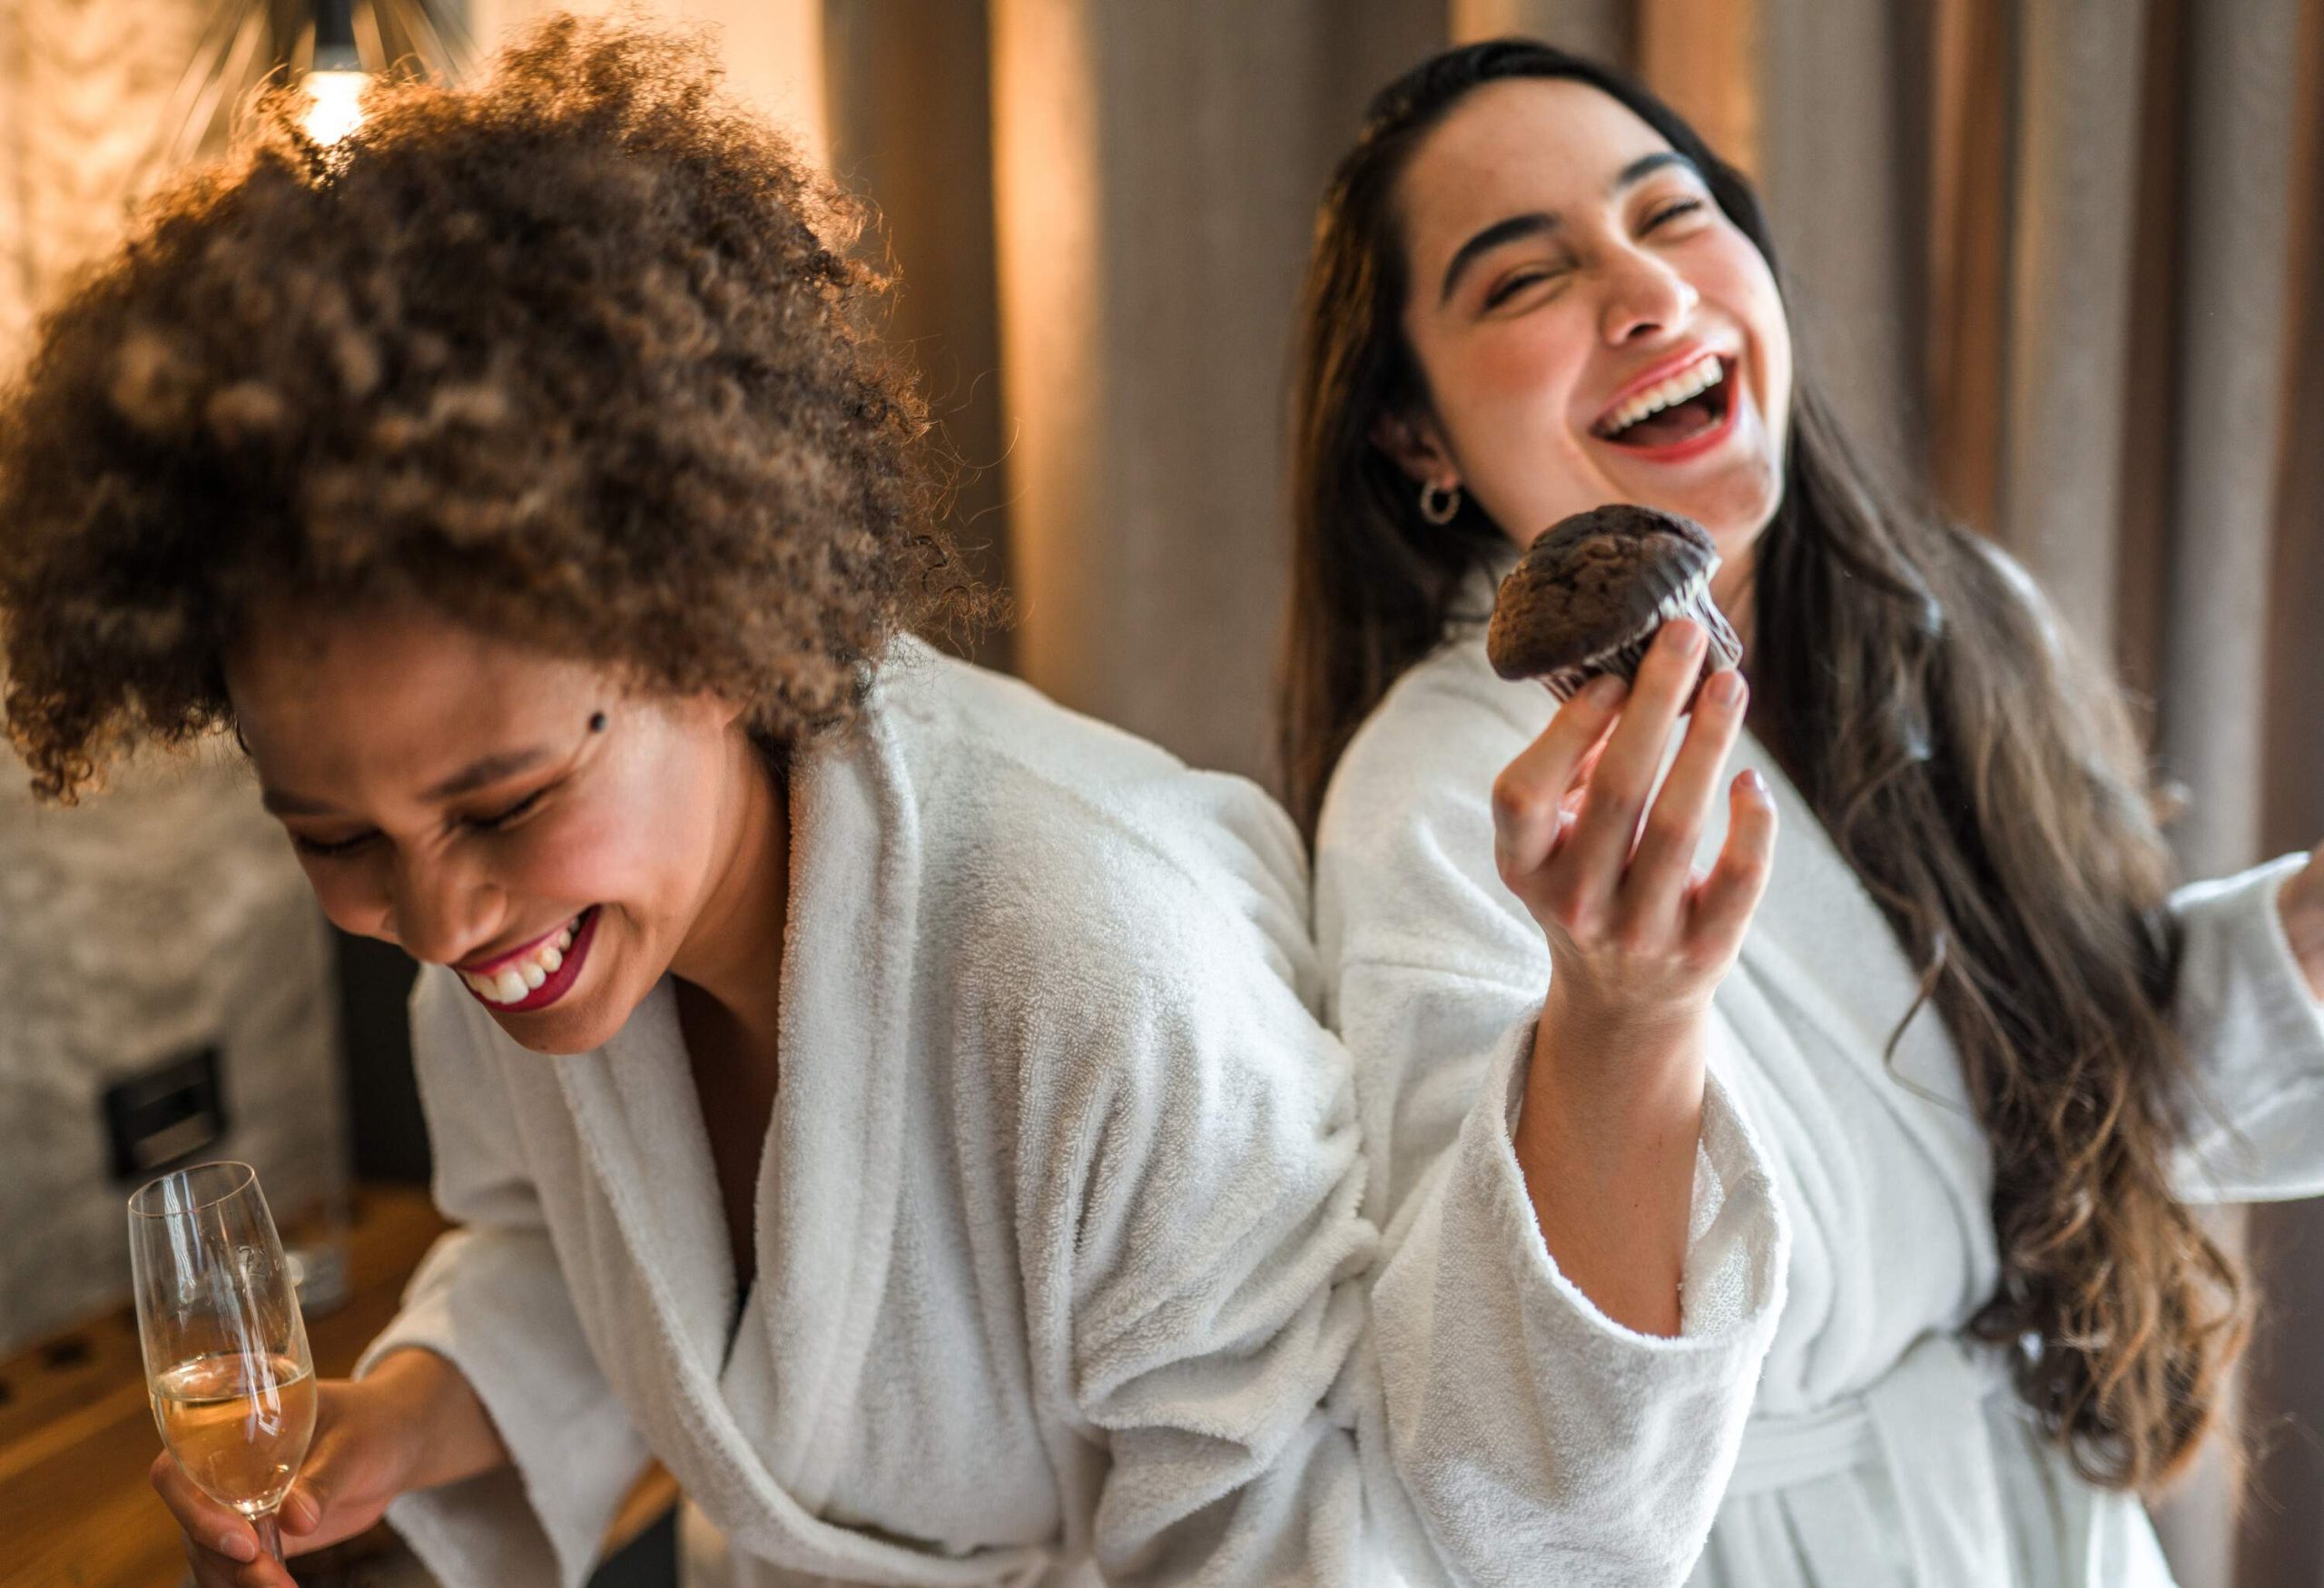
(2301, 904)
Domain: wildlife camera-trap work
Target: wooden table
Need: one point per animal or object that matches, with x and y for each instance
(76, 1434)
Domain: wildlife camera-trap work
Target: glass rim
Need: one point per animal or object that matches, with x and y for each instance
(243, 1181)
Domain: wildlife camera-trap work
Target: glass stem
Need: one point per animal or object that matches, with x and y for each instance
(270, 1536)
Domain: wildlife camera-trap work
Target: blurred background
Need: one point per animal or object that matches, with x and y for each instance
(2064, 258)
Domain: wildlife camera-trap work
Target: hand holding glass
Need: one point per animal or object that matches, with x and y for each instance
(226, 1359)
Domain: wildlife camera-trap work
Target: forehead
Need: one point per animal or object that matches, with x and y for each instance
(335, 700)
(1513, 146)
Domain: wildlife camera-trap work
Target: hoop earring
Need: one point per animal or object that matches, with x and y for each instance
(1438, 503)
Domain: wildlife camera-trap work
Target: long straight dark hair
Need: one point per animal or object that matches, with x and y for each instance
(1981, 776)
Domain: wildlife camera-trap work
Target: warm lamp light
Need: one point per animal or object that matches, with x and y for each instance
(327, 48)
(335, 107)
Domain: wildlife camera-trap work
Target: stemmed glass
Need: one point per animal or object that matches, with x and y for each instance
(226, 1359)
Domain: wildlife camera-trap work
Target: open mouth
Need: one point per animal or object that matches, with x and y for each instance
(1679, 416)
(540, 975)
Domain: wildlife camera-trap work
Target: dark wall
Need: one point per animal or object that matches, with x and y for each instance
(390, 1142)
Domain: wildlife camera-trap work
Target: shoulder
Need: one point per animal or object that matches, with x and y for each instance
(1404, 850)
(1059, 835)
(1430, 750)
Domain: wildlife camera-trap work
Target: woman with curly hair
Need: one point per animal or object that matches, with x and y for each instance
(1983, 1053)
(892, 1101)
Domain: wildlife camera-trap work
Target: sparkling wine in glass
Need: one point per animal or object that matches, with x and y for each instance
(226, 1360)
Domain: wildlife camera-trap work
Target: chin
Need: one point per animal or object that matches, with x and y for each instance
(1737, 508)
(560, 1032)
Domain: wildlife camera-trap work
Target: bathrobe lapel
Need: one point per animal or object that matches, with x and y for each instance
(828, 1192)
(753, 1433)
(1820, 948)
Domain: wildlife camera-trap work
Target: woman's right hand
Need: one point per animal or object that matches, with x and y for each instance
(413, 1422)
(360, 1459)
(1637, 942)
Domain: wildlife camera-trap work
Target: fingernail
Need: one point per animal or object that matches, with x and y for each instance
(1685, 633)
(1755, 783)
(1604, 691)
(242, 1546)
(1726, 687)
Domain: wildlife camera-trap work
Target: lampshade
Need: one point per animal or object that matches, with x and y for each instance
(329, 46)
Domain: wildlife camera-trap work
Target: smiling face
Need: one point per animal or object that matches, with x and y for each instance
(1590, 326)
(456, 795)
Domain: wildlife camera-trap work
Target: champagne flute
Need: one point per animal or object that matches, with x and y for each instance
(226, 1359)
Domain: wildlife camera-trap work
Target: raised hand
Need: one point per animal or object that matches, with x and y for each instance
(1636, 938)
(1637, 942)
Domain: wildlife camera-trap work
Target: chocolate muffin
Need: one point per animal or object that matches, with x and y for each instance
(1587, 596)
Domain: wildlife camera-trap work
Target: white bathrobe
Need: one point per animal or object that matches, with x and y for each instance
(1876, 1448)
(1058, 1252)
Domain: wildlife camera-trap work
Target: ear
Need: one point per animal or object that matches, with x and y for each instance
(1413, 443)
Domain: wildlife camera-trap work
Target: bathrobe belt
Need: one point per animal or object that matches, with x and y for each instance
(1925, 1419)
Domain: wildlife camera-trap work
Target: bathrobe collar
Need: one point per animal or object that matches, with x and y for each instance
(826, 1201)
(1823, 912)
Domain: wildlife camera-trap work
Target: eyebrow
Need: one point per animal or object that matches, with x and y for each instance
(476, 774)
(1536, 223)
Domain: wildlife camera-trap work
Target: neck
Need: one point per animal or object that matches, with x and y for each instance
(734, 953)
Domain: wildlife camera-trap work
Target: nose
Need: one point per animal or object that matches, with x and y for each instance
(1644, 297)
(438, 911)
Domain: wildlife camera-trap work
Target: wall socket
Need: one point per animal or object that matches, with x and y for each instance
(164, 1114)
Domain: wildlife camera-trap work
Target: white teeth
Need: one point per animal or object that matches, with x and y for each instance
(512, 982)
(1700, 378)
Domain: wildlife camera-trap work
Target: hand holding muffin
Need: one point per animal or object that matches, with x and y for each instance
(1603, 598)
(1637, 939)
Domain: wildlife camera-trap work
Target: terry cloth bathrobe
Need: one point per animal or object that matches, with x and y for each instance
(1059, 1250)
(1877, 1449)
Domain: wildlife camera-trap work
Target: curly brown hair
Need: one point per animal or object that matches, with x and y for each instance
(578, 356)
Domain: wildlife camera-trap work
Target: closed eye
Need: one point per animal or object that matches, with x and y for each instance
(328, 851)
(1671, 212)
(1509, 286)
(487, 824)
(500, 819)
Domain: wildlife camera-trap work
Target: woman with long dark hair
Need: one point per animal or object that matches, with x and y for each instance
(1957, 1016)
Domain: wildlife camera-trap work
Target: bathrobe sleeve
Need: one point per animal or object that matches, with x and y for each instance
(1537, 1439)
(2252, 1027)
(1189, 1209)
(2254, 1033)
(490, 1299)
